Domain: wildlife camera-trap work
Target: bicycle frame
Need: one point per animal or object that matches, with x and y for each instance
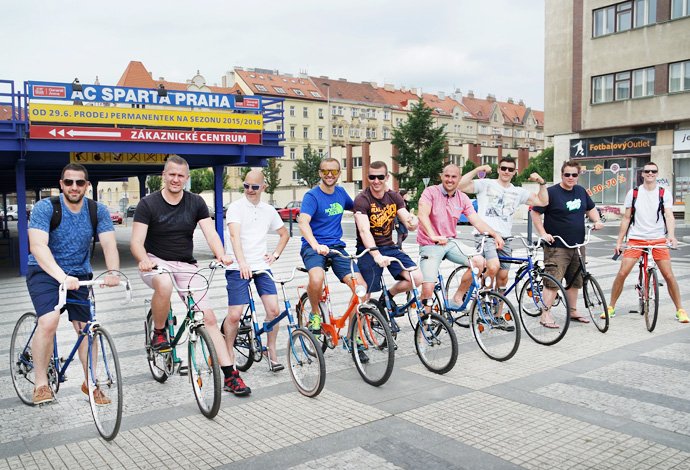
(473, 289)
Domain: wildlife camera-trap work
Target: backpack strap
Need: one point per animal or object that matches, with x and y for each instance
(56, 218)
(632, 210)
(93, 215)
(660, 209)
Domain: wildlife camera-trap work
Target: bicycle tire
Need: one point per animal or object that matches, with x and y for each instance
(595, 303)
(496, 339)
(305, 362)
(530, 304)
(452, 284)
(204, 372)
(436, 344)
(371, 336)
(157, 361)
(21, 361)
(104, 375)
(303, 318)
(244, 355)
(651, 311)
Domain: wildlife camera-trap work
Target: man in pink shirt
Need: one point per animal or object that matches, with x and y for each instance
(440, 208)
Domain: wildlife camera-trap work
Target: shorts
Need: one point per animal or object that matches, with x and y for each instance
(432, 255)
(341, 266)
(659, 254)
(185, 276)
(238, 288)
(372, 272)
(491, 252)
(563, 263)
(43, 290)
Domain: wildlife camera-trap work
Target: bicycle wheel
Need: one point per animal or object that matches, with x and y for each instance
(595, 302)
(303, 309)
(305, 362)
(244, 356)
(21, 361)
(160, 364)
(452, 284)
(494, 325)
(436, 344)
(371, 345)
(204, 371)
(531, 304)
(651, 304)
(105, 384)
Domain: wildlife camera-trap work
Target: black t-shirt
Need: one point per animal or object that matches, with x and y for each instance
(565, 214)
(171, 227)
(381, 213)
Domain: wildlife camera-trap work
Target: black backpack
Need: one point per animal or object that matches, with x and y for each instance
(56, 218)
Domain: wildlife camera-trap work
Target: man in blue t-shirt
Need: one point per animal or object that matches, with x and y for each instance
(564, 216)
(61, 256)
(319, 221)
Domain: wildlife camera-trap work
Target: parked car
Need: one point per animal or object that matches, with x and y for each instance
(130, 210)
(11, 214)
(115, 216)
(291, 211)
(212, 212)
(463, 220)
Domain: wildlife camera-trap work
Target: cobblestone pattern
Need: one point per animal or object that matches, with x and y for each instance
(352, 459)
(677, 352)
(648, 377)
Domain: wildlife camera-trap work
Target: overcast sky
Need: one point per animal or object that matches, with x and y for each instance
(489, 46)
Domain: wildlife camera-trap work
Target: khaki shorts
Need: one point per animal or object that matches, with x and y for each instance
(563, 263)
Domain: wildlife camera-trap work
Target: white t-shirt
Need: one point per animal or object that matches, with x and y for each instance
(646, 227)
(255, 223)
(496, 204)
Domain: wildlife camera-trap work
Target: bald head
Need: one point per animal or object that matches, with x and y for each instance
(451, 167)
(254, 176)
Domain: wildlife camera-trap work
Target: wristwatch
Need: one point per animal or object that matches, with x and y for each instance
(275, 255)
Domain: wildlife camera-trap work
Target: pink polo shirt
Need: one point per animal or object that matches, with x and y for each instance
(445, 212)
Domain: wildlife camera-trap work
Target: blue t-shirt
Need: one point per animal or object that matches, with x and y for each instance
(326, 211)
(71, 240)
(565, 214)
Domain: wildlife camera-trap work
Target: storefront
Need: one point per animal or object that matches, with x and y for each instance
(681, 166)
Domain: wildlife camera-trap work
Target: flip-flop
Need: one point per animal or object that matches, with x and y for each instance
(580, 319)
(547, 324)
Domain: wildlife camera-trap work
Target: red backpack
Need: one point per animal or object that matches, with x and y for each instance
(659, 210)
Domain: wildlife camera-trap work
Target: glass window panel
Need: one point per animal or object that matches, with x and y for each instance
(638, 83)
(650, 82)
(598, 23)
(674, 77)
(610, 19)
(608, 88)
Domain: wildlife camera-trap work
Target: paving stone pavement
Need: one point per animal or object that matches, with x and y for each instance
(614, 400)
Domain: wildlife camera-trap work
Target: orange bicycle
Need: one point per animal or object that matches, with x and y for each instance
(368, 339)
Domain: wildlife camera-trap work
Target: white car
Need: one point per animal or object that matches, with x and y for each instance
(11, 214)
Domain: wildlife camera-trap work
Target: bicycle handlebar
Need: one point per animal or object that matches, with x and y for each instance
(352, 257)
(279, 281)
(213, 265)
(525, 242)
(577, 245)
(62, 290)
(413, 268)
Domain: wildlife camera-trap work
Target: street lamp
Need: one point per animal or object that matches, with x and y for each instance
(328, 113)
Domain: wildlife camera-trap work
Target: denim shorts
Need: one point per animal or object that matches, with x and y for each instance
(341, 266)
(43, 290)
(238, 288)
(372, 272)
(432, 255)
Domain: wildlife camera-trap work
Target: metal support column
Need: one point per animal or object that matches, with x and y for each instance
(22, 225)
(218, 199)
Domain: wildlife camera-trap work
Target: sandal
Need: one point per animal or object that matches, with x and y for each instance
(547, 324)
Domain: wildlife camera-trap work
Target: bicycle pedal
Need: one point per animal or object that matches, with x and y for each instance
(183, 371)
(244, 329)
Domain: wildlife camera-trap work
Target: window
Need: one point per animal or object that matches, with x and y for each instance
(679, 76)
(298, 92)
(643, 82)
(334, 130)
(602, 89)
(321, 152)
(292, 153)
(292, 111)
(622, 86)
(386, 115)
(260, 87)
(680, 8)
(604, 21)
(320, 113)
(305, 112)
(305, 132)
(645, 12)
(292, 132)
(315, 94)
(320, 133)
(354, 112)
(295, 177)
(483, 129)
(280, 89)
(304, 152)
(340, 131)
(386, 133)
(488, 159)
(623, 16)
(356, 162)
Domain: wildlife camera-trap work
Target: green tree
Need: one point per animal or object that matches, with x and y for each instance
(202, 179)
(542, 164)
(421, 150)
(154, 182)
(271, 176)
(307, 169)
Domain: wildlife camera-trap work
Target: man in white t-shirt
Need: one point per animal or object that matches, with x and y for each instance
(249, 221)
(651, 222)
(497, 201)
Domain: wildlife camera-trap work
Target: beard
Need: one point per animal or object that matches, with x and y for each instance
(74, 198)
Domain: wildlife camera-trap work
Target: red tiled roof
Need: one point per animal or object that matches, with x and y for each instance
(539, 117)
(349, 91)
(513, 113)
(281, 85)
(6, 113)
(136, 76)
(446, 105)
(479, 109)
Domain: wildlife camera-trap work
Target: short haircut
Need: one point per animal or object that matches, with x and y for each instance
(177, 160)
(74, 167)
(507, 159)
(572, 164)
(450, 165)
(651, 163)
(328, 160)
(378, 164)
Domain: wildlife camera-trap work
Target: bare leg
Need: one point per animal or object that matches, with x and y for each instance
(211, 324)
(627, 265)
(271, 306)
(160, 301)
(42, 346)
(315, 288)
(230, 326)
(671, 283)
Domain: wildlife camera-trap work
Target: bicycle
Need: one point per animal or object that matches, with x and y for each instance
(204, 368)
(495, 330)
(102, 375)
(530, 296)
(369, 339)
(595, 302)
(304, 355)
(432, 333)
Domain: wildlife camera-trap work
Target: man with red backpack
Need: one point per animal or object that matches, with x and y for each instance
(648, 220)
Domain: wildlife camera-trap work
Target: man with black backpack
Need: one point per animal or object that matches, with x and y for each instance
(60, 233)
(648, 220)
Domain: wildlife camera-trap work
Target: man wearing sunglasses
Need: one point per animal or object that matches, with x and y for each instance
(375, 211)
(564, 215)
(320, 220)
(249, 222)
(648, 220)
(162, 235)
(61, 255)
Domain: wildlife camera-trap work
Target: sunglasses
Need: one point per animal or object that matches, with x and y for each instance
(508, 169)
(377, 177)
(571, 175)
(68, 182)
(654, 172)
(255, 187)
(330, 172)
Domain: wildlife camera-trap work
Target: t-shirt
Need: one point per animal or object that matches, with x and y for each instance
(445, 212)
(381, 214)
(497, 204)
(646, 226)
(326, 211)
(71, 240)
(255, 223)
(171, 227)
(565, 214)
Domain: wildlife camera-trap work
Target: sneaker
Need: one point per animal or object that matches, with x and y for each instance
(682, 316)
(98, 396)
(159, 341)
(612, 313)
(43, 394)
(501, 324)
(236, 385)
(315, 324)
